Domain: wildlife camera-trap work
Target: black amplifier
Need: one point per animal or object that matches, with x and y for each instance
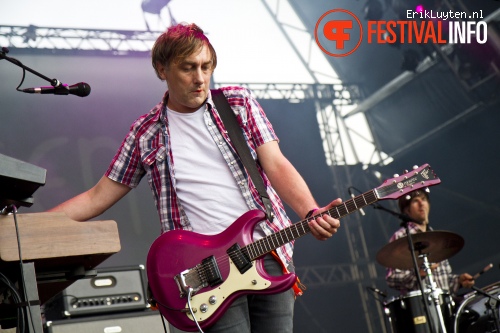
(111, 290)
(130, 322)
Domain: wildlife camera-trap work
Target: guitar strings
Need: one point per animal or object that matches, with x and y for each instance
(254, 250)
(267, 244)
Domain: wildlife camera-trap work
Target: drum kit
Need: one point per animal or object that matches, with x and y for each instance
(430, 309)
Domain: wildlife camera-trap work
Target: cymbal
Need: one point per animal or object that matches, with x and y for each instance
(437, 245)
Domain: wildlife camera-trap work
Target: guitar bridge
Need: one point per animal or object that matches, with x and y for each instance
(202, 275)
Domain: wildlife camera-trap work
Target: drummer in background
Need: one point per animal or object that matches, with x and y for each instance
(416, 205)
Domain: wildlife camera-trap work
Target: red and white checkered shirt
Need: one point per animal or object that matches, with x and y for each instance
(146, 150)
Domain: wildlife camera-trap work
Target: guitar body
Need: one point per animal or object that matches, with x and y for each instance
(178, 250)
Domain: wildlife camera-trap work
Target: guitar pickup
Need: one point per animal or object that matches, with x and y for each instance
(212, 272)
(240, 260)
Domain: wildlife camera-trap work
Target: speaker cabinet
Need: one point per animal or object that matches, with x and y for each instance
(130, 322)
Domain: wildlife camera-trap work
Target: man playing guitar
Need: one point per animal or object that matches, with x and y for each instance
(200, 185)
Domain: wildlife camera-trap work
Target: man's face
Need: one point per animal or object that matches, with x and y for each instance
(419, 209)
(188, 81)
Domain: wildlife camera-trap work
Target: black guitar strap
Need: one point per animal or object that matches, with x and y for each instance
(235, 134)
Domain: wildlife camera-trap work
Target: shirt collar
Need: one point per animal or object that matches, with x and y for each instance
(161, 115)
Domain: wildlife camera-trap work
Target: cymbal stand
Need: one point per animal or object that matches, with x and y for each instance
(434, 292)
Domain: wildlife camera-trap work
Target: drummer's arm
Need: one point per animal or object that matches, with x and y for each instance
(453, 283)
(465, 280)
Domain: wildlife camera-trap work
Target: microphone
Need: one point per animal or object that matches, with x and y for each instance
(353, 196)
(81, 89)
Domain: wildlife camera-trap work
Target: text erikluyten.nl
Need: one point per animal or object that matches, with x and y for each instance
(432, 14)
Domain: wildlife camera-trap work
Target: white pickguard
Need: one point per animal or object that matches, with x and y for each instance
(250, 280)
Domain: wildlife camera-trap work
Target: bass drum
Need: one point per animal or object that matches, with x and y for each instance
(407, 313)
(473, 316)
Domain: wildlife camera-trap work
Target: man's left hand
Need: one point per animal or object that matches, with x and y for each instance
(325, 226)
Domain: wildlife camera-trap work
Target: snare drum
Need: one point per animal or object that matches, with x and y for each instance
(407, 313)
(473, 316)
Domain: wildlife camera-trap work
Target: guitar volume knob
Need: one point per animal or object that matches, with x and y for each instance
(212, 300)
(203, 308)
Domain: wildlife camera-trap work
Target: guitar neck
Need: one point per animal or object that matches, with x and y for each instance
(299, 229)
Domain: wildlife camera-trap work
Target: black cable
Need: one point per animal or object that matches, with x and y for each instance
(163, 322)
(17, 301)
(15, 62)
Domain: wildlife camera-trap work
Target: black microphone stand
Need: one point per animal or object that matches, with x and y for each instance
(405, 219)
(53, 82)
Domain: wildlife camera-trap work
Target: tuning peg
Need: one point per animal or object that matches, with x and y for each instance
(427, 190)
(406, 171)
(408, 197)
(396, 175)
(415, 167)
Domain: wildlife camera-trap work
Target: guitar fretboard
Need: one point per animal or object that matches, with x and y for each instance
(299, 229)
(390, 189)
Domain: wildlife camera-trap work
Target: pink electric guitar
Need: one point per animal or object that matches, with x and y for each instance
(192, 274)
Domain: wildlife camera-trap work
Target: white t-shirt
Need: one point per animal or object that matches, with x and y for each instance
(205, 185)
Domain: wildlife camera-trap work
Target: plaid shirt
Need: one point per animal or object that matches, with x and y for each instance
(406, 280)
(146, 150)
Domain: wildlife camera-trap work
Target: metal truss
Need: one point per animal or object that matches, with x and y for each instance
(81, 41)
(296, 92)
(322, 275)
(339, 139)
(331, 101)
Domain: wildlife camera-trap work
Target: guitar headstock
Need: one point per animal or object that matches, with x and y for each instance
(418, 178)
